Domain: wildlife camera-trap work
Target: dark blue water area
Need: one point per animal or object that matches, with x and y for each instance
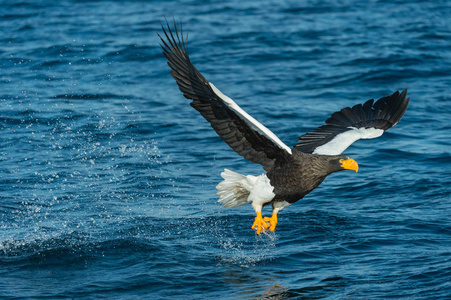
(107, 175)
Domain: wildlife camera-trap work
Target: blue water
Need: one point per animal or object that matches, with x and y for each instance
(107, 175)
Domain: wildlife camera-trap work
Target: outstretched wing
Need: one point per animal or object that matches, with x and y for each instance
(240, 131)
(348, 125)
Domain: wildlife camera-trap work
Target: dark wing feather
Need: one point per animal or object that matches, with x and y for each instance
(240, 131)
(383, 115)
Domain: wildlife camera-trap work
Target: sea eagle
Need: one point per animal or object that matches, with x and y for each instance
(291, 173)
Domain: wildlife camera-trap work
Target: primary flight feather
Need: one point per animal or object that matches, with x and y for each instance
(291, 173)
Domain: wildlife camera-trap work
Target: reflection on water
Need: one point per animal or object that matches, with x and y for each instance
(252, 284)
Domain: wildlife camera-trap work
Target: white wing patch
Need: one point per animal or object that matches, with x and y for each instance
(343, 140)
(254, 124)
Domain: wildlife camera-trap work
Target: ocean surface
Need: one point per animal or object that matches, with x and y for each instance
(107, 175)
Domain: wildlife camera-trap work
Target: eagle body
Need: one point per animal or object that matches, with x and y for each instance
(296, 175)
(291, 173)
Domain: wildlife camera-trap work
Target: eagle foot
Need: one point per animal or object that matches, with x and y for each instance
(259, 224)
(271, 221)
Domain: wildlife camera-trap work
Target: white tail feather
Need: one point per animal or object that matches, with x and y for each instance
(234, 190)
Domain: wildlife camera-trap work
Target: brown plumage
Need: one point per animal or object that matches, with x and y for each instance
(294, 172)
(294, 176)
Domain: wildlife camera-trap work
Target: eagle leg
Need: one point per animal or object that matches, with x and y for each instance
(272, 221)
(259, 223)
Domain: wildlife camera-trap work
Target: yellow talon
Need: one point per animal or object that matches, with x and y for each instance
(259, 223)
(272, 221)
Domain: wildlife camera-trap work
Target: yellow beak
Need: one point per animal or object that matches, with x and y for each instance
(350, 164)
